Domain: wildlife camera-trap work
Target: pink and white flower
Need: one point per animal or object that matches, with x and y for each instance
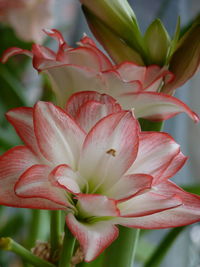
(86, 68)
(27, 17)
(92, 161)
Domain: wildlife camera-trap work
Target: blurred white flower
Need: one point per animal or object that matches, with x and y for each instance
(28, 17)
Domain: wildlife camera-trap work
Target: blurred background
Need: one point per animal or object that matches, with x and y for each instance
(20, 85)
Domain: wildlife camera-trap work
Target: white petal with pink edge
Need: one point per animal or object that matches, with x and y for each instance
(77, 100)
(115, 86)
(187, 213)
(155, 154)
(89, 107)
(104, 60)
(14, 51)
(109, 150)
(64, 177)
(155, 106)
(148, 203)
(175, 165)
(69, 79)
(150, 77)
(22, 120)
(93, 238)
(59, 137)
(96, 205)
(129, 185)
(12, 164)
(34, 183)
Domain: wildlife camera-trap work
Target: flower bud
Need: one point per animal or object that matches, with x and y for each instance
(158, 42)
(117, 48)
(186, 58)
(118, 16)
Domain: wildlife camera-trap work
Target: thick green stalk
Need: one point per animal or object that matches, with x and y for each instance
(55, 232)
(67, 250)
(122, 251)
(34, 230)
(7, 243)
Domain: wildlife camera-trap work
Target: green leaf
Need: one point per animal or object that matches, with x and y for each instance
(158, 42)
(174, 40)
(186, 58)
(11, 88)
(164, 246)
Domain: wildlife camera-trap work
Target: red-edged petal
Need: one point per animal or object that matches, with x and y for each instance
(96, 205)
(83, 56)
(56, 35)
(93, 238)
(77, 100)
(89, 107)
(59, 137)
(43, 58)
(130, 71)
(129, 185)
(12, 164)
(22, 120)
(109, 150)
(155, 106)
(155, 75)
(14, 51)
(104, 60)
(69, 79)
(155, 154)
(174, 166)
(64, 177)
(34, 183)
(150, 77)
(115, 86)
(187, 213)
(148, 203)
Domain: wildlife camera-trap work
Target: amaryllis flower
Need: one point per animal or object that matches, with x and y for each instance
(92, 161)
(87, 68)
(27, 17)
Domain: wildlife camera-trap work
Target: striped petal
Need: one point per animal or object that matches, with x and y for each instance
(34, 183)
(187, 213)
(89, 107)
(12, 165)
(109, 150)
(155, 106)
(156, 153)
(59, 137)
(93, 238)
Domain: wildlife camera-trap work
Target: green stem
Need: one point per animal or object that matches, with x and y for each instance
(7, 243)
(34, 230)
(67, 250)
(122, 251)
(55, 232)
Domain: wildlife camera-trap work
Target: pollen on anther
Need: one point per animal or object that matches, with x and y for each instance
(111, 152)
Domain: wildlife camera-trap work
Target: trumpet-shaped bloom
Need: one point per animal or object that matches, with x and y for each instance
(27, 17)
(86, 68)
(92, 161)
